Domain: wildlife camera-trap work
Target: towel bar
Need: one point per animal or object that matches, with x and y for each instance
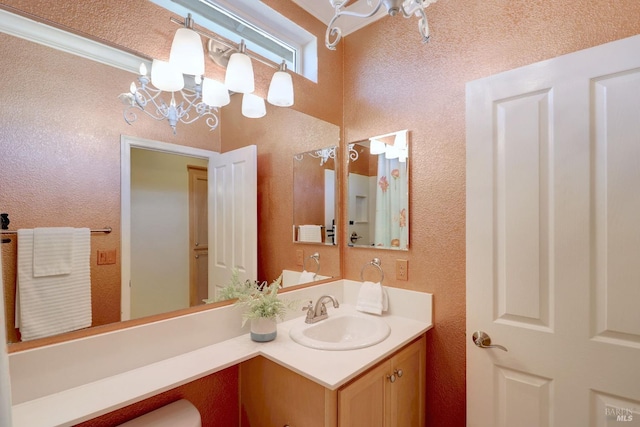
(105, 230)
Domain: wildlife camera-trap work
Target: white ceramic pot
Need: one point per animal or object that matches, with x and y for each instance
(263, 329)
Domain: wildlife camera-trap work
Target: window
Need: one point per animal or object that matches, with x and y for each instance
(265, 31)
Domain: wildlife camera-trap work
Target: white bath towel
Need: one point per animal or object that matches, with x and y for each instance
(52, 250)
(306, 277)
(310, 233)
(372, 298)
(54, 304)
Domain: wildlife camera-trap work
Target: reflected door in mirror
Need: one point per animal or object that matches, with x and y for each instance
(198, 235)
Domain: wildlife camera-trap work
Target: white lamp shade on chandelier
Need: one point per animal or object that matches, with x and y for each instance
(214, 93)
(166, 76)
(198, 97)
(187, 53)
(253, 106)
(239, 75)
(281, 90)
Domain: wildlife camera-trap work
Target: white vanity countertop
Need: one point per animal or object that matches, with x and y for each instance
(331, 369)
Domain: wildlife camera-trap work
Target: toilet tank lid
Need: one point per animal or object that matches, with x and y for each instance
(180, 413)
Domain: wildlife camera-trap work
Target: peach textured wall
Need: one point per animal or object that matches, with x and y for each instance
(393, 82)
(308, 189)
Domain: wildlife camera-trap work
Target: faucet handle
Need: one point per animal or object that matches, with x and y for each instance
(309, 306)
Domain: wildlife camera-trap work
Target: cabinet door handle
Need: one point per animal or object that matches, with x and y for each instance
(197, 243)
(398, 372)
(197, 256)
(392, 378)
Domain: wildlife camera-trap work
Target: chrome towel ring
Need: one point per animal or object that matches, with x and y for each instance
(316, 258)
(375, 263)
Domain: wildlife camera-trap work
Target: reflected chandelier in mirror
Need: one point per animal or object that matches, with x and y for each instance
(378, 192)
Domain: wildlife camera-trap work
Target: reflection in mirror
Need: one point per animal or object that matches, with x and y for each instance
(62, 160)
(314, 196)
(378, 192)
(159, 227)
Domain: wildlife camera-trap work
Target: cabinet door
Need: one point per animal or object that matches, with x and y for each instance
(406, 405)
(362, 403)
(273, 396)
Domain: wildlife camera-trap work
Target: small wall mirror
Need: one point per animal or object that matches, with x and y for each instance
(378, 192)
(314, 196)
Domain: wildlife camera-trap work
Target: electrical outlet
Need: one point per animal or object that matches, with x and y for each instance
(402, 269)
(299, 257)
(107, 257)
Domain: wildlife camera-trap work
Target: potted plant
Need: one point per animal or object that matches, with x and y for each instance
(263, 306)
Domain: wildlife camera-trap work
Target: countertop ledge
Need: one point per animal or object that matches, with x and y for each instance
(330, 369)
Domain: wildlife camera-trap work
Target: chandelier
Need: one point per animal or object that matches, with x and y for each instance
(193, 96)
(406, 7)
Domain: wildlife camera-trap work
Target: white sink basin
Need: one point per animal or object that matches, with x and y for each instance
(341, 332)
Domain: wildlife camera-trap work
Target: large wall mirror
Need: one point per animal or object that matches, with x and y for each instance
(61, 167)
(378, 192)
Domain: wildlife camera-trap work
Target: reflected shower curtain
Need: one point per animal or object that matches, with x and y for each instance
(392, 202)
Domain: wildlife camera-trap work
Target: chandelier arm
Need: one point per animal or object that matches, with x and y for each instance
(131, 116)
(146, 95)
(211, 121)
(353, 154)
(417, 8)
(202, 110)
(333, 30)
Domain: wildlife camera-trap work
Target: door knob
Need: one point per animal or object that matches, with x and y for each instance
(483, 340)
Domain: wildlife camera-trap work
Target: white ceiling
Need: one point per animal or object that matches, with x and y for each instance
(323, 10)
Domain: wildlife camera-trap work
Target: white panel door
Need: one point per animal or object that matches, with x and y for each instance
(233, 219)
(553, 241)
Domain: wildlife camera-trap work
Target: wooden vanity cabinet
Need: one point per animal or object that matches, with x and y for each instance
(274, 396)
(392, 394)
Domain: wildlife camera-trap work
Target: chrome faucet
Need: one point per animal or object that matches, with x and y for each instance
(319, 312)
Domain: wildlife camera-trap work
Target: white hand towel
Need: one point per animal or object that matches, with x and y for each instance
(310, 233)
(52, 305)
(52, 251)
(306, 277)
(372, 298)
